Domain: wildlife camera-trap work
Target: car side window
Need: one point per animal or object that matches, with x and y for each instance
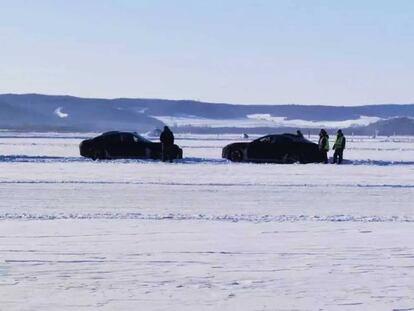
(112, 139)
(280, 140)
(126, 138)
(275, 140)
(265, 140)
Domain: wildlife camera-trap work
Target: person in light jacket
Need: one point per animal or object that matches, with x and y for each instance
(339, 147)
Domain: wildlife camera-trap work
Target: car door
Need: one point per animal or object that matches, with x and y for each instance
(260, 149)
(138, 148)
(272, 148)
(282, 148)
(127, 145)
(112, 145)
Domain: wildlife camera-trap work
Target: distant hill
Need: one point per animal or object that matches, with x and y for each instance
(66, 113)
(35, 112)
(389, 127)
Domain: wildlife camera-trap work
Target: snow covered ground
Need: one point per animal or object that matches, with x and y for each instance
(204, 233)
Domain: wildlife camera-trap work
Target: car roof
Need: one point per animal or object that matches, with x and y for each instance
(292, 137)
(110, 133)
(117, 132)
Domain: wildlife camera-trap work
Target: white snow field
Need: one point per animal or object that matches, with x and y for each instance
(204, 233)
(256, 120)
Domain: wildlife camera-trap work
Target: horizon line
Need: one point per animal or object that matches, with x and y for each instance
(200, 101)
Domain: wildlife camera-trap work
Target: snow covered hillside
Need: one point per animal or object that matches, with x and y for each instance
(204, 233)
(263, 120)
(36, 112)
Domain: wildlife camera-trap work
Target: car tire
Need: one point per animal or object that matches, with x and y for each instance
(100, 155)
(292, 158)
(236, 155)
(95, 155)
(180, 154)
(286, 159)
(301, 159)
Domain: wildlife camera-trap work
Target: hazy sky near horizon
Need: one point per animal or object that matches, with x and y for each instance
(260, 52)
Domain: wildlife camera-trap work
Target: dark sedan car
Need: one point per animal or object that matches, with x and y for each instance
(283, 148)
(123, 145)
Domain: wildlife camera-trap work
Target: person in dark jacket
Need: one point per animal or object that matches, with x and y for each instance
(324, 145)
(339, 147)
(167, 143)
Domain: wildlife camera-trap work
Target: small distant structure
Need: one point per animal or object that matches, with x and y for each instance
(244, 135)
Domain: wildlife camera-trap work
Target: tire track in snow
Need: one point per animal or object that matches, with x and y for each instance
(183, 184)
(191, 160)
(204, 217)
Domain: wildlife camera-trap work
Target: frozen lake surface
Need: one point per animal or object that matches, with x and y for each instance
(204, 233)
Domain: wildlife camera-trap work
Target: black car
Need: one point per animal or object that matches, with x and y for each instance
(123, 145)
(283, 148)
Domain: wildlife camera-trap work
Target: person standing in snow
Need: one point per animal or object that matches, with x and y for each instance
(167, 143)
(339, 147)
(324, 145)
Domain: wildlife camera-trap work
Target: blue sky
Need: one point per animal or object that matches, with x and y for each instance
(268, 52)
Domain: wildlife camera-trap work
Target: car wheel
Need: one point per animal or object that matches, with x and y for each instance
(100, 155)
(286, 158)
(180, 154)
(291, 158)
(95, 155)
(236, 155)
(301, 159)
